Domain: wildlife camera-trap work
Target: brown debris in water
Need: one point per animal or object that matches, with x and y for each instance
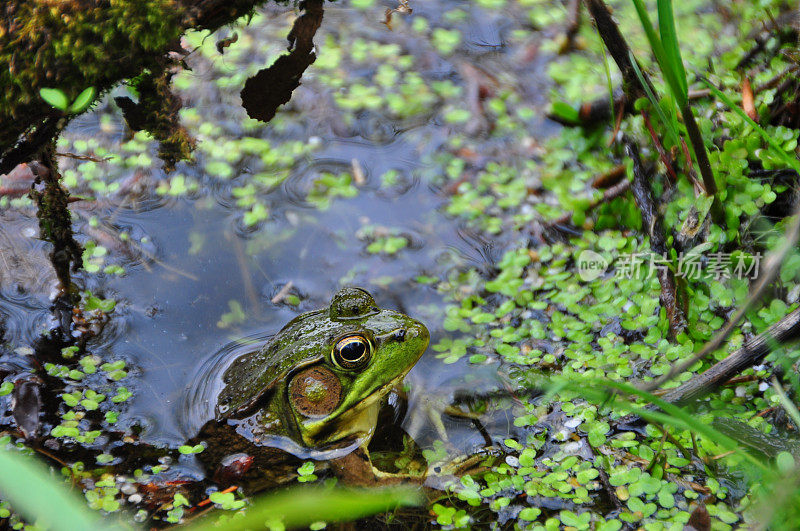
(26, 405)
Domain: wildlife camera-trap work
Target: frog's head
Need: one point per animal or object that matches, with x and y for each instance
(366, 352)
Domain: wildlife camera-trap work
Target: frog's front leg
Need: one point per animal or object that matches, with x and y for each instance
(442, 474)
(356, 468)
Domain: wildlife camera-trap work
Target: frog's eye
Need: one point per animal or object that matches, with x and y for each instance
(352, 352)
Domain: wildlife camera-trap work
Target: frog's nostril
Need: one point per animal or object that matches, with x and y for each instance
(400, 334)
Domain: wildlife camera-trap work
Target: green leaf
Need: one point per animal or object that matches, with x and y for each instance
(565, 111)
(187, 449)
(668, 124)
(530, 513)
(96, 303)
(776, 147)
(300, 507)
(658, 51)
(669, 40)
(83, 100)
(39, 498)
(55, 97)
(179, 499)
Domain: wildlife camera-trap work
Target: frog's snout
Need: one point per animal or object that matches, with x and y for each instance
(418, 332)
(409, 333)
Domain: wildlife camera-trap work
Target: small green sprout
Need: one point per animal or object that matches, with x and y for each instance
(104, 459)
(92, 302)
(306, 472)
(69, 352)
(188, 449)
(226, 500)
(122, 395)
(57, 99)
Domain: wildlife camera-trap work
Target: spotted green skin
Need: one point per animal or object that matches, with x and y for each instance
(256, 384)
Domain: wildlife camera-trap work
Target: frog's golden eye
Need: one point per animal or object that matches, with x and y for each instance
(352, 352)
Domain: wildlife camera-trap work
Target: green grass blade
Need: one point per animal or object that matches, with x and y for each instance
(652, 36)
(672, 132)
(792, 162)
(609, 81)
(566, 112)
(38, 497)
(658, 50)
(670, 414)
(300, 507)
(669, 41)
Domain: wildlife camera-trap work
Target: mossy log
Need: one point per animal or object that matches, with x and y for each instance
(75, 44)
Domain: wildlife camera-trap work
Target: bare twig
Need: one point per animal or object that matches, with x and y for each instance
(283, 292)
(751, 354)
(660, 148)
(721, 370)
(619, 50)
(651, 221)
(83, 157)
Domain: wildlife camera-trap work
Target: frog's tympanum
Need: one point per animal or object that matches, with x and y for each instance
(312, 392)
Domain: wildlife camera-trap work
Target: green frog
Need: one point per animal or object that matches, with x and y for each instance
(312, 392)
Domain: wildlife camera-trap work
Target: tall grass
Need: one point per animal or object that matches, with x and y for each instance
(664, 45)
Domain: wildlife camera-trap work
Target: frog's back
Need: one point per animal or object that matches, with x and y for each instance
(253, 376)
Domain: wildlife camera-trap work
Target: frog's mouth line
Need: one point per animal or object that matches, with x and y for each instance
(320, 428)
(376, 395)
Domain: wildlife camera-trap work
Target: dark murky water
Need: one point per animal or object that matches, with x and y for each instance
(193, 260)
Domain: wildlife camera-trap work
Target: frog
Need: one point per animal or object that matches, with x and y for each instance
(313, 391)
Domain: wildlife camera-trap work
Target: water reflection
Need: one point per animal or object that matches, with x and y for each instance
(199, 275)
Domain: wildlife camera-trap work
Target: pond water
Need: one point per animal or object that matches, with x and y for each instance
(415, 161)
(345, 187)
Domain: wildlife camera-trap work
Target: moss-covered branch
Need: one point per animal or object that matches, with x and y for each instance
(75, 44)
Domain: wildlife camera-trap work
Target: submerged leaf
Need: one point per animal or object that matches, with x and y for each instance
(26, 404)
